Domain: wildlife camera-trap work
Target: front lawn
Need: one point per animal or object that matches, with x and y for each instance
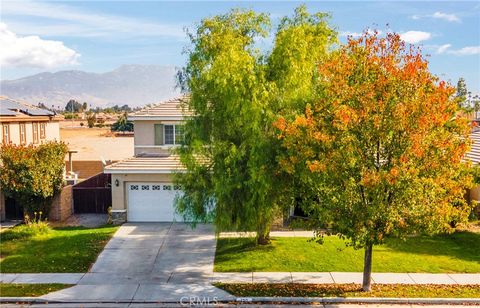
(29, 290)
(455, 253)
(350, 290)
(61, 250)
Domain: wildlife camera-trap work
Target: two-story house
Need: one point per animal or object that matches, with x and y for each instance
(21, 123)
(142, 188)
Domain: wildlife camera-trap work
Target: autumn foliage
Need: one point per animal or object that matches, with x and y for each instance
(32, 175)
(379, 151)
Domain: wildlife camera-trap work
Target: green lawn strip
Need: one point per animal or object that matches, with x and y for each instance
(454, 253)
(350, 290)
(62, 250)
(29, 290)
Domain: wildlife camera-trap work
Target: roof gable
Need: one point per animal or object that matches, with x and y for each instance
(174, 109)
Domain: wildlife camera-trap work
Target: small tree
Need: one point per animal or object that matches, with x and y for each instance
(381, 146)
(73, 106)
(33, 175)
(91, 119)
(122, 124)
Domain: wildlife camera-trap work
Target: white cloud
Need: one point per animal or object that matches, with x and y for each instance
(414, 37)
(358, 34)
(349, 33)
(445, 16)
(32, 51)
(439, 15)
(64, 20)
(443, 48)
(466, 51)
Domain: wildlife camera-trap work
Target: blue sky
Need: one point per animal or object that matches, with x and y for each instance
(100, 36)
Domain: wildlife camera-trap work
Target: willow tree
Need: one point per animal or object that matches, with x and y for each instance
(380, 147)
(232, 176)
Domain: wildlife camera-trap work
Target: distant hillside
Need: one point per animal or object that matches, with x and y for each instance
(135, 85)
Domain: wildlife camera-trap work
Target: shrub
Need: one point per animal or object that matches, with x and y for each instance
(91, 119)
(70, 115)
(32, 175)
(122, 124)
(32, 227)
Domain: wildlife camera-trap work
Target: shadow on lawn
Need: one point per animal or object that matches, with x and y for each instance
(73, 228)
(229, 248)
(239, 245)
(460, 245)
(56, 252)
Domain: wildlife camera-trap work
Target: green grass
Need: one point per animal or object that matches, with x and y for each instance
(455, 253)
(29, 290)
(61, 250)
(350, 290)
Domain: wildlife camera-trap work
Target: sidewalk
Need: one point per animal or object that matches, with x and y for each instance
(277, 277)
(345, 277)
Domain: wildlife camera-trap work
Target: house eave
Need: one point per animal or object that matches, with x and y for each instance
(156, 118)
(140, 171)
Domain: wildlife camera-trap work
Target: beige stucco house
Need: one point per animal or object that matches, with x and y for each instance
(142, 188)
(22, 123)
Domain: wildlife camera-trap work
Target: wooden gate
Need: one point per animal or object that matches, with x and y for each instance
(94, 195)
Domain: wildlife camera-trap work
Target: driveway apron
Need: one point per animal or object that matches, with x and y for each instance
(150, 262)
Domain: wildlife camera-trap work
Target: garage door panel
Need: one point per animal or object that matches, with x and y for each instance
(151, 201)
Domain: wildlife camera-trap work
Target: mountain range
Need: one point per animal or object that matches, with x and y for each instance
(134, 85)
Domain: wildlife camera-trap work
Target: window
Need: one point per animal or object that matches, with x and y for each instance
(178, 134)
(133, 187)
(173, 134)
(6, 133)
(158, 134)
(169, 134)
(23, 136)
(35, 132)
(167, 187)
(42, 130)
(145, 187)
(155, 187)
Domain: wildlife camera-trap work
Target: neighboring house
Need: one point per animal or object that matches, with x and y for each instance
(142, 188)
(474, 157)
(21, 123)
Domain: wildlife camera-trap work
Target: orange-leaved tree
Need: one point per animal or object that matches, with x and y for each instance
(380, 150)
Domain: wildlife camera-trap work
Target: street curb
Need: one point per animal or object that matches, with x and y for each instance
(257, 300)
(362, 300)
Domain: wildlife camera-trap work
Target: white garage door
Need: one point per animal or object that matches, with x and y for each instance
(151, 201)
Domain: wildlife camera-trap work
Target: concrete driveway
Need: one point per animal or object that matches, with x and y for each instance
(150, 262)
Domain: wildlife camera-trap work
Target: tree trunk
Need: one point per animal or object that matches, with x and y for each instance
(263, 235)
(367, 268)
